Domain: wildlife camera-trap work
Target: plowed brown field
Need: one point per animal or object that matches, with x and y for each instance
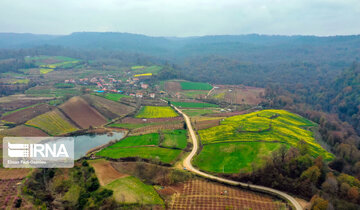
(81, 113)
(108, 108)
(23, 130)
(105, 172)
(22, 116)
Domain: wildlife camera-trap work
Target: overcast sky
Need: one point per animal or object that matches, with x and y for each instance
(182, 17)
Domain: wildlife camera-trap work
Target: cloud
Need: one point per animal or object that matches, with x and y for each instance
(182, 17)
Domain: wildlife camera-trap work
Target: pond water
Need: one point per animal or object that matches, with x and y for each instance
(83, 143)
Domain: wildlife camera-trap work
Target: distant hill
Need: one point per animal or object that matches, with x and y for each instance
(250, 48)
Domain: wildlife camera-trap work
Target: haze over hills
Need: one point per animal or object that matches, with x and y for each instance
(250, 48)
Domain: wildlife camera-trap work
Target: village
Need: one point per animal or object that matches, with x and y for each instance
(135, 86)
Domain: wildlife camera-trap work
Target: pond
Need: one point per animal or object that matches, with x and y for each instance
(84, 143)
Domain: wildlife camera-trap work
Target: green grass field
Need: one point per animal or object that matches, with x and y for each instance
(156, 112)
(131, 141)
(266, 125)
(195, 86)
(52, 122)
(147, 146)
(193, 104)
(52, 92)
(174, 139)
(113, 96)
(233, 157)
(155, 153)
(130, 190)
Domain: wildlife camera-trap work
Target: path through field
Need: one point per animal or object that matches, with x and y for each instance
(187, 164)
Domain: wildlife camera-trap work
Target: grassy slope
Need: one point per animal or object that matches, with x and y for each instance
(156, 153)
(287, 127)
(175, 139)
(156, 112)
(231, 157)
(132, 190)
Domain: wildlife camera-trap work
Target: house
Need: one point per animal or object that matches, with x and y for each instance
(144, 86)
(132, 94)
(67, 81)
(152, 95)
(139, 95)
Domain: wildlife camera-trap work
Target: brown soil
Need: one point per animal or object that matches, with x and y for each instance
(172, 87)
(82, 114)
(240, 94)
(23, 130)
(198, 125)
(13, 173)
(105, 172)
(22, 116)
(108, 108)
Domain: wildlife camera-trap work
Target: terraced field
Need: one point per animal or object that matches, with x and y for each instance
(53, 123)
(156, 112)
(241, 140)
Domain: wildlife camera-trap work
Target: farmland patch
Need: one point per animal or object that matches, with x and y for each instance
(195, 86)
(198, 194)
(105, 172)
(258, 128)
(24, 114)
(108, 108)
(23, 130)
(82, 113)
(156, 112)
(130, 190)
(234, 157)
(53, 123)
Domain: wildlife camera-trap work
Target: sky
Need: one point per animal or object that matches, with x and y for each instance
(182, 17)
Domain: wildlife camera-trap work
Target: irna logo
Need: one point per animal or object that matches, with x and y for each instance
(37, 150)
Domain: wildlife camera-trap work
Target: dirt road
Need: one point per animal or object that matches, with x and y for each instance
(187, 164)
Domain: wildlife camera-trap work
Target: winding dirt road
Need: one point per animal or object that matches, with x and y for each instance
(187, 164)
